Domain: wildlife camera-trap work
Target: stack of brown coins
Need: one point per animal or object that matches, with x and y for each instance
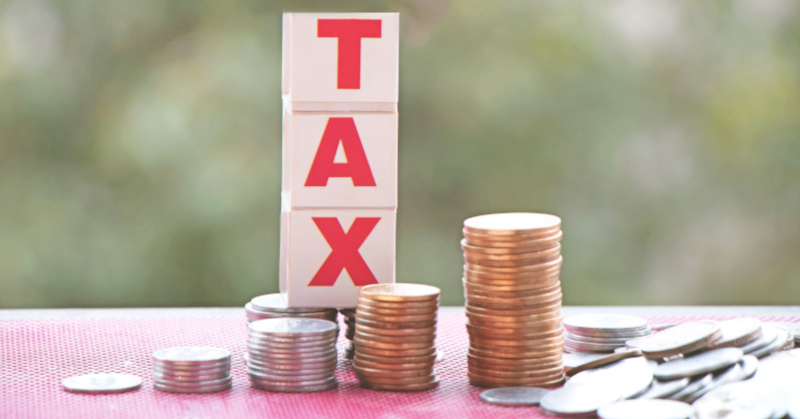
(394, 337)
(513, 299)
(349, 315)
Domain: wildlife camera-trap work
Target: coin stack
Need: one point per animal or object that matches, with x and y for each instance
(513, 299)
(292, 354)
(602, 333)
(270, 306)
(192, 369)
(350, 333)
(394, 337)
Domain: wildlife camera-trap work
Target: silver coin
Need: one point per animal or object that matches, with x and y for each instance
(683, 338)
(200, 389)
(661, 389)
(261, 359)
(781, 337)
(275, 302)
(101, 383)
(794, 408)
(289, 378)
(738, 332)
(191, 369)
(698, 364)
(289, 355)
(284, 340)
(613, 323)
(192, 355)
(695, 385)
(578, 400)
(629, 377)
(740, 400)
(721, 378)
(650, 409)
(195, 384)
(299, 352)
(294, 371)
(439, 356)
(575, 346)
(749, 365)
(768, 335)
(296, 389)
(514, 396)
(157, 376)
(292, 326)
(572, 360)
(602, 340)
(299, 343)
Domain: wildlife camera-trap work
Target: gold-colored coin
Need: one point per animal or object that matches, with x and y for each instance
(483, 291)
(489, 382)
(478, 341)
(504, 312)
(516, 373)
(430, 338)
(509, 262)
(534, 280)
(395, 325)
(524, 329)
(360, 327)
(514, 303)
(374, 379)
(513, 355)
(360, 362)
(506, 286)
(484, 320)
(381, 359)
(399, 305)
(521, 270)
(512, 224)
(360, 342)
(514, 363)
(364, 307)
(405, 387)
(526, 242)
(360, 349)
(366, 315)
(536, 254)
(399, 292)
(371, 373)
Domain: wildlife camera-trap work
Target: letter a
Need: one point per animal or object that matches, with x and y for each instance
(340, 130)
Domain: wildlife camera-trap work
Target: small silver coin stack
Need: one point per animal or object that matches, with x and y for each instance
(602, 333)
(192, 369)
(271, 306)
(350, 333)
(292, 354)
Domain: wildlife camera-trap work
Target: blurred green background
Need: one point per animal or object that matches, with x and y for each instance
(140, 145)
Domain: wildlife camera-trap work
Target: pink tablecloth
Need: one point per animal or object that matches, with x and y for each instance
(36, 354)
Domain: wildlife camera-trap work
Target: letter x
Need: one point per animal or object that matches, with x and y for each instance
(344, 251)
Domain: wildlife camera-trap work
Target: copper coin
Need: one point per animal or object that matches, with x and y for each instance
(512, 223)
(398, 305)
(365, 328)
(517, 329)
(399, 292)
(392, 366)
(364, 307)
(381, 359)
(395, 325)
(512, 250)
(509, 262)
(521, 362)
(515, 303)
(405, 387)
(516, 373)
(377, 379)
(372, 373)
(522, 354)
(488, 292)
(430, 338)
(518, 270)
(535, 254)
(511, 321)
(506, 312)
(360, 349)
(391, 346)
(484, 244)
(544, 336)
(483, 382)
(366, 315)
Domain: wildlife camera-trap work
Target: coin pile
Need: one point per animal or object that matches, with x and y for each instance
(394, 337)
(602, 333)
(192, 369)
(513, 299)
(271, 306)
(292, 354)
(349, 315)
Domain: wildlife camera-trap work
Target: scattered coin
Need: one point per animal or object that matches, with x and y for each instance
(514, 396)
(578, 400)
(705, 362)
(782, 336)
(101, 383)
(694, 386)
(738, 332)
(629, 377)
(650, 409)
(572, 360)
(685, 338)
(735, 400)
(661, 389)
(603, 360)
(749, 365)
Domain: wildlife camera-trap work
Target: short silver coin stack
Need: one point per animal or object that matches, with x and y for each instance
(292, 354)
(350, 332)
(602, 333)
(271, 306)
(192, 369)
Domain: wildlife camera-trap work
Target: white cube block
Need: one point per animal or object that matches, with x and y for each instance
(340, 160)
(329, 254)
(340, 61)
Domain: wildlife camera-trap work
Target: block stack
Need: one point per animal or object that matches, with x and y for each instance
(339, 189)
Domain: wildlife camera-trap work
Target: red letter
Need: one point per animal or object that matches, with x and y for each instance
(344, 251)
(349, 32)
(323, 167)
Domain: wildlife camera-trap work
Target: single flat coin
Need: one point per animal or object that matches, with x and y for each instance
(768, 335)
(101, 383)
(738, 332)
(572, 360)
(650, 409)
(703, 363)
(735, 401)
(629, 377)
(573, 401)
(662, 389)
(194, 355)
(399, 292)
(681, 339)
(514, 396)
(604, 322)
(605, 360)
(291, 326)
(781, 337)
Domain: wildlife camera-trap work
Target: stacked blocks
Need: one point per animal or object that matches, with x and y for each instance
(339, 189)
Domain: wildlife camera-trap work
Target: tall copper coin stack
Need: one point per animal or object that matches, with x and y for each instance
(394, 337)
(271, 306)
(349, 315)
(513, 299)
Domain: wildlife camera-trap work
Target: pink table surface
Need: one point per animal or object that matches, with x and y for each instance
(38, 350)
